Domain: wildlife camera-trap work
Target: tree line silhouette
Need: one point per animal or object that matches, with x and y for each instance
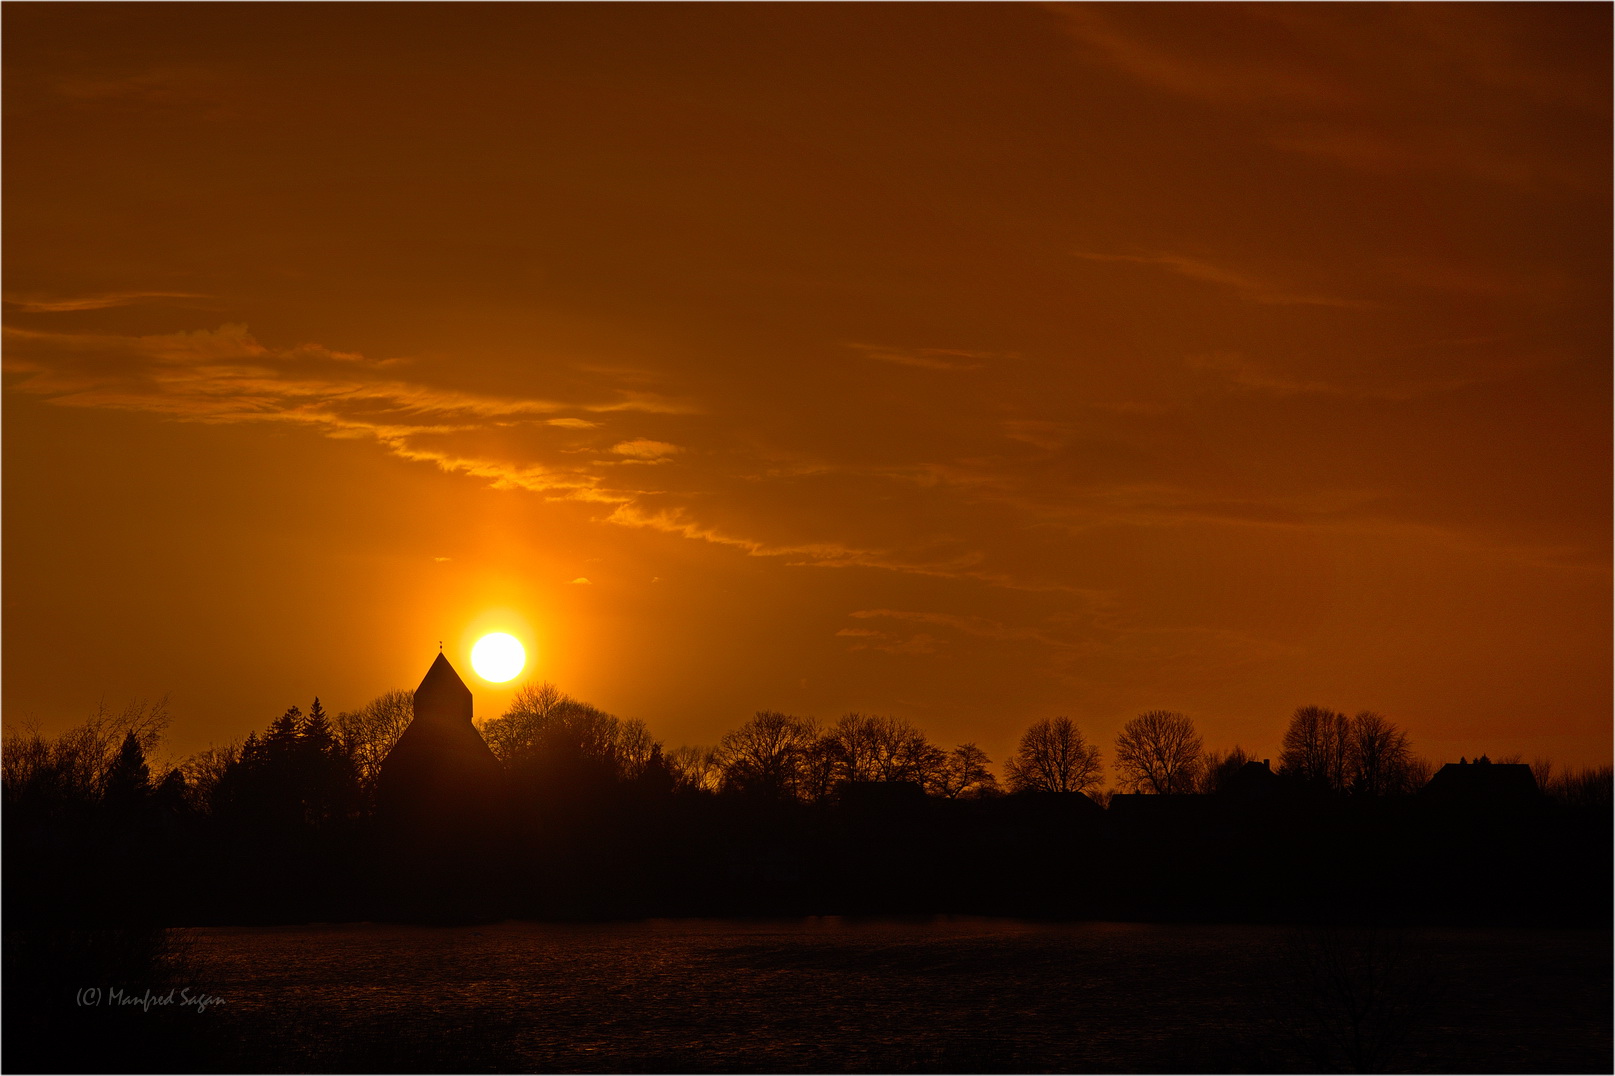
(594, 816)
(590, 816)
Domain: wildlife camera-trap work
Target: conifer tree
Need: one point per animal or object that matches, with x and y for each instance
(252, 750)
(170, 793)
(281, 740)
(326, 778)
(128, 780)
(316, 731)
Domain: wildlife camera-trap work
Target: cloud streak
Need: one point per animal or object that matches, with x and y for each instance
(227, 376)
(105, 300)
(1250, 287)
(1099, 633)
(644, 450)
(977, 626)
(929, 358)
(1221, 79)
(1316, 83)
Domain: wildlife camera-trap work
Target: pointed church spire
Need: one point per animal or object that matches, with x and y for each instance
(440, 780)
(442, 695)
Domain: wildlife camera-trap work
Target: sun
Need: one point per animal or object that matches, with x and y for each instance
(498, 657)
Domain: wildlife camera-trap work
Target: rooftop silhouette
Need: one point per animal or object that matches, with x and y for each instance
(440, 777)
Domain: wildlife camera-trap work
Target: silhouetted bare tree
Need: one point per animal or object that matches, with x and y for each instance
(1217, 768)
(1158, 751)
(820, 767)
(1542, 770)
(866, 747)
(1420, 770)
(1589, 787)
(1053, 756)
(1317, 746)
(520, 728)
(1380, 756)
(767, 755)
(544, 726)
(368, 733)
(635, 747)
(964, 773)
(920, 761)
(203, 770)
(695, 768)
(852, 744)
(72, 769)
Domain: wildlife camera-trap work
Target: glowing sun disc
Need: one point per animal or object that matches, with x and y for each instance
(498, 657)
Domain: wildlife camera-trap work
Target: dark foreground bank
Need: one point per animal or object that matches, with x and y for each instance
(817, 994)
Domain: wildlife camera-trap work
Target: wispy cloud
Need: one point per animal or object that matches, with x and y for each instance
(1249, 286)
(37, 304)
(1040, 433)
(1092, 632)
(644, 450)
(226, 375)
(677, 521)
(1242, 373)
(1210, 75)
(1101, 632)
(978, 626)
(962, 566)
(1387, 89)
(890, 642)
(930, 358)
(650, 403)
(154, 85)
(1371, 149)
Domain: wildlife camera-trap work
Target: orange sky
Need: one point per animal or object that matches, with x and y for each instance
(972, 364)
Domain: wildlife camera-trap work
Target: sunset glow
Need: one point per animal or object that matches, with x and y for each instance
(498, 657)
(556, 537)
(971, 364)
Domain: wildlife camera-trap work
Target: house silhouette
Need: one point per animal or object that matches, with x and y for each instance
(1483, 782)
(1254, 782)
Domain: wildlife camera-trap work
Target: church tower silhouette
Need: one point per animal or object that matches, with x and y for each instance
(440, 777)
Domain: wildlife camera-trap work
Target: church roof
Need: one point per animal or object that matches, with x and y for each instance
(441, 682)
(441, 764)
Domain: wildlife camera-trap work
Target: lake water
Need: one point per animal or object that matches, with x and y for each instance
(945, 994)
